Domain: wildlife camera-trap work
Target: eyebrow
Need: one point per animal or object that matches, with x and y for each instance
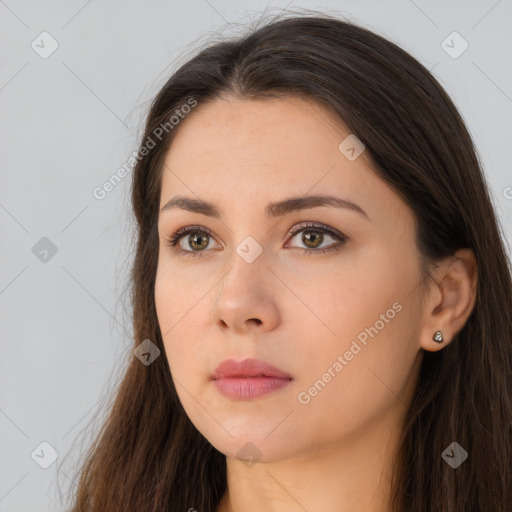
(272, 210)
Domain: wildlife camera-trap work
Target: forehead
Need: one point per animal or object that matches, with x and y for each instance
(239, 152)
(231, 127)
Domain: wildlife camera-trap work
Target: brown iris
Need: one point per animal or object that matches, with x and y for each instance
(312, 236)
(193, 239)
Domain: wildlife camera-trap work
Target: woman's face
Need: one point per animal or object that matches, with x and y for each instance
(344, 324)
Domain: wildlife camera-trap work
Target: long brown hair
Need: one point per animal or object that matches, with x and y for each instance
(149, 457)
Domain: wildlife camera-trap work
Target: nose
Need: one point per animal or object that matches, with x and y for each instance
(244, 300)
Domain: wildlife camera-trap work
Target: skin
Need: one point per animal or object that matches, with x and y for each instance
(335, 452)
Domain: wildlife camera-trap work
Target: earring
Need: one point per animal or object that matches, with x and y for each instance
(438, 337)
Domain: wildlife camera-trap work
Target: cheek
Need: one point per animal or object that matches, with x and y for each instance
(165, 304)
(177, 295)
(368, 320)
(174, 305)
(345, 298)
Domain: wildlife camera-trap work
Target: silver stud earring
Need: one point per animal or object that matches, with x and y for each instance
(438, 337)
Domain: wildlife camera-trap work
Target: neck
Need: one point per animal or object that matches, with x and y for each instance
(351, 476)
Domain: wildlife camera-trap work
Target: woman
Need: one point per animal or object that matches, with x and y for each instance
(321, 292)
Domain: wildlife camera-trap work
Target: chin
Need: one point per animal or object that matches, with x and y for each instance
(249, 444)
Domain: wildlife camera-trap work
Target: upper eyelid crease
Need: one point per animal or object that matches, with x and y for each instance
(298, 228)
(272, 210)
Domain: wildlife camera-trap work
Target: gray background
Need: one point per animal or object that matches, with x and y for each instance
(70, 120)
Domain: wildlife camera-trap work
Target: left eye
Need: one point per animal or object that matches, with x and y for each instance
(313, 235)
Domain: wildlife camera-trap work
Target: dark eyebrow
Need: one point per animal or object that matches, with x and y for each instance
(277, 209)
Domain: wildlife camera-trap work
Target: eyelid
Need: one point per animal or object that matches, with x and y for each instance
(187, 230)
(176, 237)
(296, 228)
(321, 227)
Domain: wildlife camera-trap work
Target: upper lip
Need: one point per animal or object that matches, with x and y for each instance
(247, 368)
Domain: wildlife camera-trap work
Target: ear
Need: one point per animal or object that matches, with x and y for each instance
(451, 299)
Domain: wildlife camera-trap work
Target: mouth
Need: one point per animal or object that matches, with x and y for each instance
(249, 379)
(246, 388)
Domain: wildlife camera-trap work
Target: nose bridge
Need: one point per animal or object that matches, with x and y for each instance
(246, 273)
(245, 291)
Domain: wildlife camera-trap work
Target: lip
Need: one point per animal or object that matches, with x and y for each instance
(248, 368)
(250, 378)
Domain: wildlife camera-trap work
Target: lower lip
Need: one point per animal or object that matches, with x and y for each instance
(245, 388)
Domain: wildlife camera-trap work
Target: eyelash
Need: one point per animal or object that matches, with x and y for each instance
(173, 240)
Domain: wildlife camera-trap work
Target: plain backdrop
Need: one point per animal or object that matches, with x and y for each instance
(75, 81)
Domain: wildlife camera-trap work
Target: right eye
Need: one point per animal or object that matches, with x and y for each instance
(197, 235)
